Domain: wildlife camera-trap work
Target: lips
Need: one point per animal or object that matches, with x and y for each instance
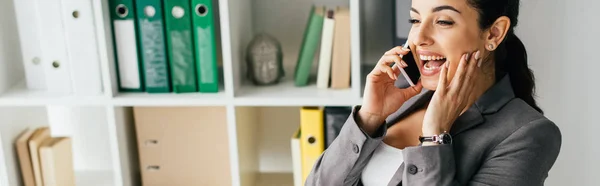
(431, 62)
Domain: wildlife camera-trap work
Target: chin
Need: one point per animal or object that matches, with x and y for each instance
(430, 82)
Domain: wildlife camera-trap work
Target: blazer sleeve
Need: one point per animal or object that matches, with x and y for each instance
(523, 158)
(342, 162)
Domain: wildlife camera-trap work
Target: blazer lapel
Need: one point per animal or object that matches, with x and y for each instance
(469, 119)
(490, 102)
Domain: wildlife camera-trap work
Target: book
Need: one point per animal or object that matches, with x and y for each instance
(39, 136)
(324, 70)
(56, 160)
(24, 156)
(309, 46)
(340, 60)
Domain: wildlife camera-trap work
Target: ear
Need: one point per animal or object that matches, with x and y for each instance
(497, 32)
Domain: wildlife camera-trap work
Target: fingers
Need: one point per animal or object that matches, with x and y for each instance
(471, 74)
(459, 75)
(478, 58)
(473, 63)
(391, 63)
(412, 90)
(441, 87)
(387, 70)
(384, 63)
(397, 51)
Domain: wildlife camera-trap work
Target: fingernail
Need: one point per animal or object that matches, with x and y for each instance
(477, 55)
(447, 64)
(404, 64)
(479, 63)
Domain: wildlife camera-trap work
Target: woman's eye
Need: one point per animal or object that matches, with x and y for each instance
(445, 23)
(413, 21)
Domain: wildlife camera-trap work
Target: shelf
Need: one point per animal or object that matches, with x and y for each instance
(287, 94)
(170, 99)
(94, 178)
(19, 95)
(275, 179)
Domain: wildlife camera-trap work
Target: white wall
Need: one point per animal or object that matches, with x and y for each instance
(562, 38)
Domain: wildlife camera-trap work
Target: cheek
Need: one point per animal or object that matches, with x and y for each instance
(453, 68)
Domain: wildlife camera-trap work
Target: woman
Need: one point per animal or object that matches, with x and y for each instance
(470, 120)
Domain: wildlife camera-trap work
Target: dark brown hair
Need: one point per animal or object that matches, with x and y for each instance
(510, 56)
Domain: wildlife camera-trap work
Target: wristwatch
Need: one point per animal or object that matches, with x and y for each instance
(443, 138)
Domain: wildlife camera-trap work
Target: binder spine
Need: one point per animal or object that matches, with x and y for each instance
(53, 41)
(28, 21)
(205, 45)
(128, 65)
(151, 40)
(179, 45)
(82, 47)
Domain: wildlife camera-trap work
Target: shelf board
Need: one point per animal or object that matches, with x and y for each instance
(19, 95)
(287, 94)
(170, 99)
(275, 179)
(94, 178)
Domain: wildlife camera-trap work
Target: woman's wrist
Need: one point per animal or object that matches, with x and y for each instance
(369, 122)
(431, 130)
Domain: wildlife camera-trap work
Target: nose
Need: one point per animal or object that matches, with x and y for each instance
(421, 35)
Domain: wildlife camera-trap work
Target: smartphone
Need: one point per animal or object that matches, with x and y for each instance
(411, 73)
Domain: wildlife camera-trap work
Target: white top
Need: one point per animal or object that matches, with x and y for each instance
(382, 166)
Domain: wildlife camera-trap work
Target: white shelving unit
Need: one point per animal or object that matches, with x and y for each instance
(260, 120)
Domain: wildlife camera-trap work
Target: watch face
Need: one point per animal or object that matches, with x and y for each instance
(446, 139)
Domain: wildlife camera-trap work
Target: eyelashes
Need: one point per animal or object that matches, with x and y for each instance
(440, 22)
(445, 23)
(413, 21)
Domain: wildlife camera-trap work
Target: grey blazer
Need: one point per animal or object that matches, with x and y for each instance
(499, 140)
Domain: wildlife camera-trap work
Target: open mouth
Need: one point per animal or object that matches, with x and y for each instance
(432, 63)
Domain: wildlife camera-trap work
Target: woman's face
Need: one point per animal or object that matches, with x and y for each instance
(442, 31)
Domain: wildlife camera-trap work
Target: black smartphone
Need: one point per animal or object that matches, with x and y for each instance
(412, 71)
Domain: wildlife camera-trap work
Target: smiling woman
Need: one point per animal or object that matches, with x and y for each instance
(470, 120)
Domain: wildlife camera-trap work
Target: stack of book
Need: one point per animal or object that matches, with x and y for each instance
(45, 160)
(165, 45)
(328, 32)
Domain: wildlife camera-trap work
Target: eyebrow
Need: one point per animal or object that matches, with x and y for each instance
(437, 9)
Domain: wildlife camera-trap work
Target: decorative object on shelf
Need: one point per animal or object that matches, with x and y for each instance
(264, 60)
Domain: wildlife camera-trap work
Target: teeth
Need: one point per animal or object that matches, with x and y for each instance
(430, 68)
(428, 58)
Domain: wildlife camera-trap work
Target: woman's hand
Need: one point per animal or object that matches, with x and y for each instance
(381, 98)
(450, 100)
